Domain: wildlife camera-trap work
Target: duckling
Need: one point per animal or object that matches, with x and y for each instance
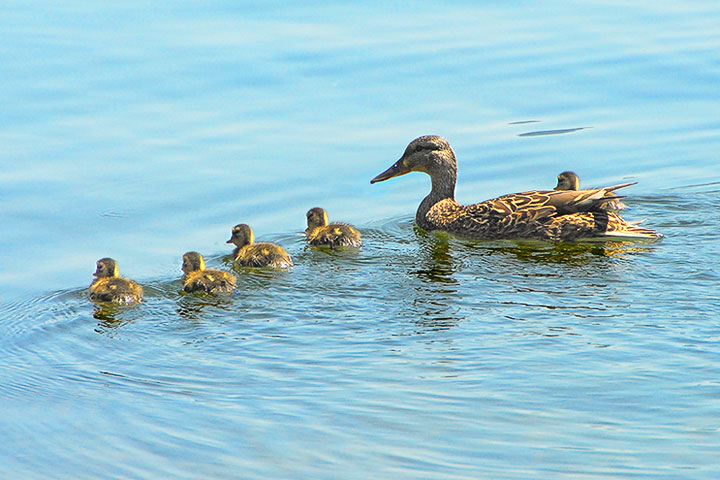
(567, 181)
(570, 181)
(549, 215)
(109, 287)
(249, 254)
(319, 232)
(196, 278)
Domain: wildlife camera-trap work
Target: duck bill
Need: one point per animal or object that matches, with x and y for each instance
(394, 171)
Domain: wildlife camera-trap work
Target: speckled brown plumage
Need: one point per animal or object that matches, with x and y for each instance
(196, 278)
(250, 254)
(550, 215)
(110, 287)
(320, 232)
(570, 181)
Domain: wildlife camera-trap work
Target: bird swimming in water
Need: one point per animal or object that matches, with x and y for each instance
(570, 181)
(108, 286)
(197, 278)
(567, 181)
(548, 215)
(320, 232)
(249, 254)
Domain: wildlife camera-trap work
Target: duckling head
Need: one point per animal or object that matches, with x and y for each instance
(192, 261)
(242, 235)
(106, 267)
(568, 181)
(430, 154)
(316, 217)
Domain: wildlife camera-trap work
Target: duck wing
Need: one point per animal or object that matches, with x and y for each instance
(561, 202)
(554, 215)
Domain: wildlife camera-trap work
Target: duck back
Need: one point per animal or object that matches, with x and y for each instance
(263, 255)
(209, 281)
(335, 235)
(116, 290)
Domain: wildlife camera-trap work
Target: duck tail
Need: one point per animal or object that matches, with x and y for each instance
(619, 228)
(606, 201)
(612, 188)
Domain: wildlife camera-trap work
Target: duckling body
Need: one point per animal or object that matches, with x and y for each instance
(108, 286)
(196, 278)
(549, 215)
(570, 181)
(263, 254)
(320, 232)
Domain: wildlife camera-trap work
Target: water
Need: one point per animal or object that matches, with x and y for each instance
(141, 133)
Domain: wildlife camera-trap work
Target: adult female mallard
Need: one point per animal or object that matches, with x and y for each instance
(108, 286)
(550, 215)
(570, 181)
(320, 232)
(196, 278)
(264, 254)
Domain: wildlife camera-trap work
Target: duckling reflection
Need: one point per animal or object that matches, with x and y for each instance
(249, 254)
(108, 286)
(201, 308)
(320, 232)
(197, 278)
(107, 313)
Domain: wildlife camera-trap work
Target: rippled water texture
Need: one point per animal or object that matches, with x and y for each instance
(141, 132)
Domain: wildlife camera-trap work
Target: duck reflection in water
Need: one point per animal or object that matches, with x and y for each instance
(570, 253)
(438, 265)
(434, 299)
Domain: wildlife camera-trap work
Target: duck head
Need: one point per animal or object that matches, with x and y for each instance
(242, 235)
(316, 217)
(106, 267)
(568, 181)
(430, 154)
(192, 261)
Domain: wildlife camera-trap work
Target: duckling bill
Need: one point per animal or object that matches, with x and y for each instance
(320, 232)
(196, 278)
(250, 254)
(108, 286)
(548, 215)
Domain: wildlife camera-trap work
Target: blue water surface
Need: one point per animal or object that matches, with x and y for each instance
(141, 130)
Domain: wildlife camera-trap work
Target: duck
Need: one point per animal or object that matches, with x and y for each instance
(108, 286)
(320, 232)
(249, 254)
(545, 215)
(197, 278)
